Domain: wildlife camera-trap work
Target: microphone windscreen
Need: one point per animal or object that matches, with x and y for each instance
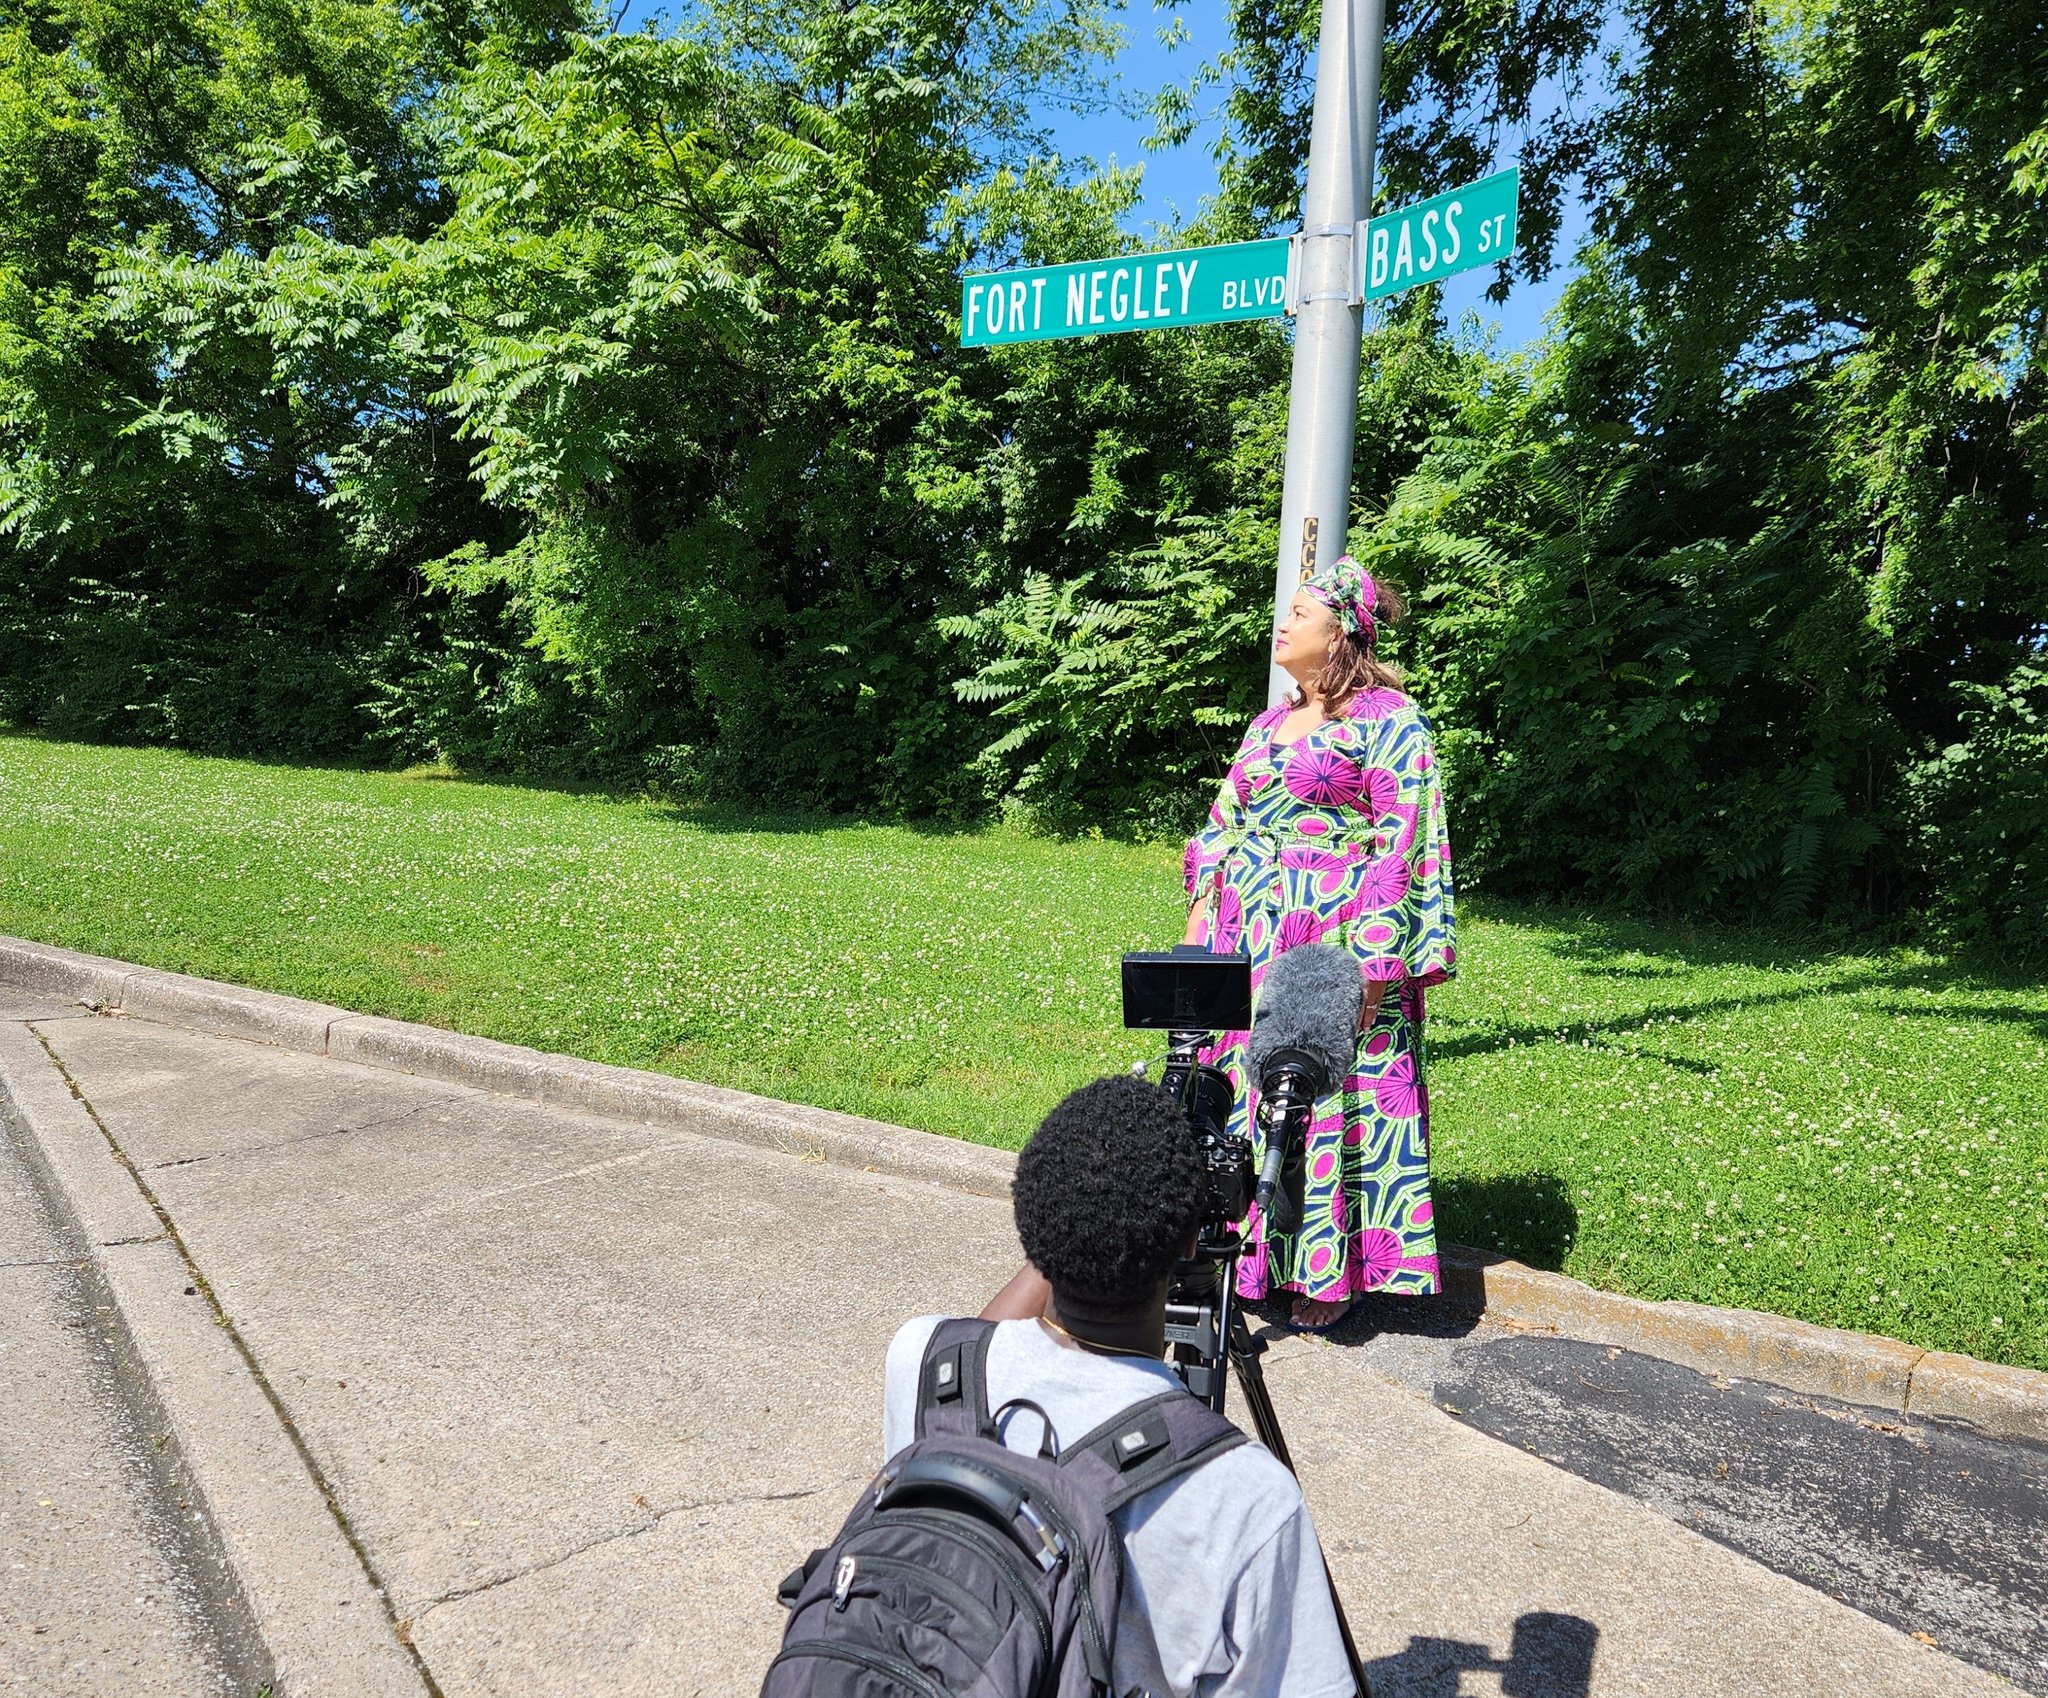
(1310, 1000)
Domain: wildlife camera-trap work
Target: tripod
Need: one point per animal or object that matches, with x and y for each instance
(1205, 1327)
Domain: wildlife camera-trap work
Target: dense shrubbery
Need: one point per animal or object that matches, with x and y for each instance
(385, 382)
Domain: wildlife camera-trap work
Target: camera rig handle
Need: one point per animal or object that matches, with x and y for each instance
(1287, 1096)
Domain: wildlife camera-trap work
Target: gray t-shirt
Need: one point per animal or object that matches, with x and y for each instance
(1223, 1561)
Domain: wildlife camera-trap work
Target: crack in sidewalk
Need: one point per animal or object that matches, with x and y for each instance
(655, 1518)
(378, 1123)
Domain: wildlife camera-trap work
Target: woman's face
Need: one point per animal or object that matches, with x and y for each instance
(1306, 636)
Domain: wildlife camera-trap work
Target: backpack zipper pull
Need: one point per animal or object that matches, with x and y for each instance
(1053, 1550)
(842, 1582)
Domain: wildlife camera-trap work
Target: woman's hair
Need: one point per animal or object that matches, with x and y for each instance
(1352, 665)
(1106, 1193)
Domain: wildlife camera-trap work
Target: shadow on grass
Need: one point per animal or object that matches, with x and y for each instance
(1599, 949)
(1529, 1216)
(2035, 1020)
(790, 820)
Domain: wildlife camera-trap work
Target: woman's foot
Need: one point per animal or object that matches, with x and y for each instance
(1312, 1314)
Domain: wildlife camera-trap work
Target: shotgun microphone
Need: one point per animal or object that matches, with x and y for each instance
(1301, 1043)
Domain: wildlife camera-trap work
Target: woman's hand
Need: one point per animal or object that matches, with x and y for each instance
(1198, 920)
(1369, 1011)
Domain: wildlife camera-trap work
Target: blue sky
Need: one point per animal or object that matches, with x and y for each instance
(1176, 179)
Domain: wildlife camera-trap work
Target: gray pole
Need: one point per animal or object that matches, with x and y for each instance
(1322, 407)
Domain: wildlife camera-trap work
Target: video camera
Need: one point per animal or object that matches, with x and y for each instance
(1191, 994)
(1300, 1044)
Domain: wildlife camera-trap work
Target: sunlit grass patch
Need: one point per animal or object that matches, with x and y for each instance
(1860, 1140)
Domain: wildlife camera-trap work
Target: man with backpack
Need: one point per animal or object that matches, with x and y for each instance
(1056, 1517)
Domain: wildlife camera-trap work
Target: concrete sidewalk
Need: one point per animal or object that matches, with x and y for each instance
(579, 1390)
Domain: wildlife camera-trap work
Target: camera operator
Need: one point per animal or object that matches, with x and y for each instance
(1222, 1563)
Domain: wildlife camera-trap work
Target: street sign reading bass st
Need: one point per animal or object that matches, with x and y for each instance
(1473, 225)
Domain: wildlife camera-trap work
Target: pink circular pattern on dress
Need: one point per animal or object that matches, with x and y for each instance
(1297, 927)
(1378, 932)
(1376, 703)
(1229, 927)
(1398, 1093)
(1379, 1256)
(1322, 778)
(1377, 1043)
(1385, 882)
(1381, 789)
(1326, 1164)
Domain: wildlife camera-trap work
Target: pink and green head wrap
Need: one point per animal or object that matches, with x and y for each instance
(1347, 590)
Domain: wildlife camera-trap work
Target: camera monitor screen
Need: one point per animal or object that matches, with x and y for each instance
(1188, 989)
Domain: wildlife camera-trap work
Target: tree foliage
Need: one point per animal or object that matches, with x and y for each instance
(387, 380)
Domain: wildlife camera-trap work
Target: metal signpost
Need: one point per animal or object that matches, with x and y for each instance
(1322, 277)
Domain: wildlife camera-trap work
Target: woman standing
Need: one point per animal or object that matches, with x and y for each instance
(1330, 829)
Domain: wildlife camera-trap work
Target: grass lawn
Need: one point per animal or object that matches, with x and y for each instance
(1730, 1117)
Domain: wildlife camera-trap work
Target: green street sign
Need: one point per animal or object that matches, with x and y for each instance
(1469, 226)
(1473, 225)
(1099, 297)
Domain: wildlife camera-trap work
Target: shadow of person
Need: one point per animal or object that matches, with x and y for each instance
(1529, 1216)
(1550, 1656)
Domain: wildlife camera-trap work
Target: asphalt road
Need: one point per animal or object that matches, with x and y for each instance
(102, 1590)
(1926, 1525)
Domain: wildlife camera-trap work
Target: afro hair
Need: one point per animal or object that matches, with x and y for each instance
(1107, 1191)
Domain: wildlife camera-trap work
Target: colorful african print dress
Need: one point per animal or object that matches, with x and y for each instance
(1338, 837)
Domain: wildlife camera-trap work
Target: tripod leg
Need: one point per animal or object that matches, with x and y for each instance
(1244, 1356)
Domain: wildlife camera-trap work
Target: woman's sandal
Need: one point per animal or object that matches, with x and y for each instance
(1329, 1324)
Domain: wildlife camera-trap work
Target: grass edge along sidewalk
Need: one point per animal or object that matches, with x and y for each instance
(1679, 1110)
(1851, 1367)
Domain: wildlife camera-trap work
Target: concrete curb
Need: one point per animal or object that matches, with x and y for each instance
(1850, 1367)
(306, 1600)
(223, 1010)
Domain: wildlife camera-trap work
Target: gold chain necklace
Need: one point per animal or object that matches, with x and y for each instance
(1089, 1344)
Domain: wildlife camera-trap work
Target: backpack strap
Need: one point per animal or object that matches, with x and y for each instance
(1149, 1444)
(1136, 1451)
(952, 1385)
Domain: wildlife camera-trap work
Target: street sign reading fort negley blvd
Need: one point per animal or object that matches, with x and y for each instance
(1133, 292)
(1469, 226)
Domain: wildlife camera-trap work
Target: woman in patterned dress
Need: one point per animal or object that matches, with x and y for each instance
(1330, 829)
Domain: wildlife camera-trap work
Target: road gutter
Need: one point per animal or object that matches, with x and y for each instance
(306, 1615)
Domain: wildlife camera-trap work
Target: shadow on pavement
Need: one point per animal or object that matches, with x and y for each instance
(1550, 1656)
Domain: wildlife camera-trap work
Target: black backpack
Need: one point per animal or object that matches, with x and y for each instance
(969, 1567)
